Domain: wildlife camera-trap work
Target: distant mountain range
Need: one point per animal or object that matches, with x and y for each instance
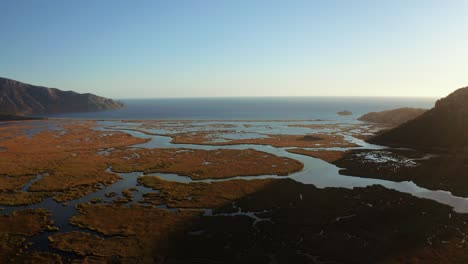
(443, 127)
(17, 98)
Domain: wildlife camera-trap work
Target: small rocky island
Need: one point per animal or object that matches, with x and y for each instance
(344, 113)
(17, 98)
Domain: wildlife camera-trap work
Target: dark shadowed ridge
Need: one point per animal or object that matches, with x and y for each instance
(444, 127)
(393, 117)
(17, 98)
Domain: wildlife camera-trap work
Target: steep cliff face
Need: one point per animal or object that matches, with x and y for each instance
(393, 117)
(20, 98)
(443, 127)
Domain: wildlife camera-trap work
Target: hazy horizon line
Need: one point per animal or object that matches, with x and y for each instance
(280, 96)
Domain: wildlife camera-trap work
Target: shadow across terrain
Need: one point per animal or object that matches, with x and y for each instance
(286, 222)
(309, 225)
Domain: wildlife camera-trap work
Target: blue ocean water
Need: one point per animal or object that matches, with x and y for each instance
(265, 108)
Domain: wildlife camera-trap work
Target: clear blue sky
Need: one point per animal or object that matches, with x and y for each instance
(176, 48)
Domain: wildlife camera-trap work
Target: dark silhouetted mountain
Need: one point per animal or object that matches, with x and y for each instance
(18, 98)
(17, 118)
(443, 127)
(393, 117)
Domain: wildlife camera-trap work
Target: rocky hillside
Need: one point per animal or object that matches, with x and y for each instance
(443, 127)
(18, 98)
(393, 117)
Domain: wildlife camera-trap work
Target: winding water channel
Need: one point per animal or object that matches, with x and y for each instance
(315, 171)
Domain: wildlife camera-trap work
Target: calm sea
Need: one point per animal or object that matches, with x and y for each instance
(268, 108)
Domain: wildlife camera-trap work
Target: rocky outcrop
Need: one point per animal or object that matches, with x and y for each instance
(444, 127)
(344, 113)
(393, 117)
(17, 98)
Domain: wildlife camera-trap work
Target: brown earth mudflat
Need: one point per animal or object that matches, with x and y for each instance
(203, 164)
(76, 192)
(27, 222)
(305, 141)
(138, 233)
(73, 167)
(326, 155)
(129, 221)
(69, 158)
(361, 131)
(22, 198)
(199, 195)
(114, 246)
(15, 229)
(14, 182)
